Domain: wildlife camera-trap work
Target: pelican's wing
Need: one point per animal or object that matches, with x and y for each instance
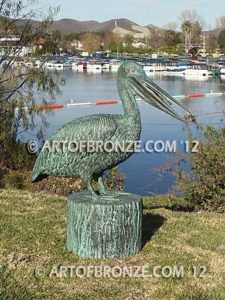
(91, 128)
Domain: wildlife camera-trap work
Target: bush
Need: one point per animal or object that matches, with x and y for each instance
(13, 180)
(114, 180)
(15, 161)
(221, 39)
(204, 183)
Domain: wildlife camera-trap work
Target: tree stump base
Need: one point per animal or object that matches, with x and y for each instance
(106, 228)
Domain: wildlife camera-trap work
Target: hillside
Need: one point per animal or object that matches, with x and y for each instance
(67, 26)
(123, 26)
(111, 24)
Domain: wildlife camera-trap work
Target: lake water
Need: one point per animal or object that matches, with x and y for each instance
(141, 169)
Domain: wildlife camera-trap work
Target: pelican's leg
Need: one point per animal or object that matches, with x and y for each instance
(103, 191)
(90, 188)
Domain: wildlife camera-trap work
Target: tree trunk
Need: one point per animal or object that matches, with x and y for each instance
(106, 228)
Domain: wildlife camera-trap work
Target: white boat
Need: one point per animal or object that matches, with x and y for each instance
(94, 65)
(149, 69)
(105, 66)
(197, 72)
(222, 71)
(175, 70)
(154, 67)
(79, 66)
(196, 77)
(202, 71)
(114, 65)
(53, 66)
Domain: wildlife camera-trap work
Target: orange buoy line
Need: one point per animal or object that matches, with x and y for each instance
(111, 102)
(197, 95)
(49, 106)
(105, 102)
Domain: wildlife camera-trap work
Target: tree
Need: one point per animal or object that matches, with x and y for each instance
(128, 39)
(187, 30)
(72, 36)
(196, 32)
(56, 36)
(191, 25)
(191, 16)
(108, 40)
(21, 87)
(172, 38)
(50, 47)
(204, 183)
(221, 23)
(156, 39)
(171, 26)
(113, 42)
(171, 50)
(221, 39)
(91, 42)
(212, 42)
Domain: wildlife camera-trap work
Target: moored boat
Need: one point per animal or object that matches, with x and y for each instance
(202, 70)
(114, 64)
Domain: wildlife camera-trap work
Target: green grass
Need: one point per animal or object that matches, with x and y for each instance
(33, 233)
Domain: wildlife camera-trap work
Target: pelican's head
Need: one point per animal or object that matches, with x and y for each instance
(141, 86)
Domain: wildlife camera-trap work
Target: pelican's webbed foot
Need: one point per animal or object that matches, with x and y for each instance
(104, 194)
(107, 194)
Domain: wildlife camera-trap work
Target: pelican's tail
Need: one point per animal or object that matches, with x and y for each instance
(38, 171)
(38, 177)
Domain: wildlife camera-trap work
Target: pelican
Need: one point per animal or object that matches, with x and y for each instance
(132, 82)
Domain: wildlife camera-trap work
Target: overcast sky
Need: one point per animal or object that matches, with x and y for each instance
(143, 12)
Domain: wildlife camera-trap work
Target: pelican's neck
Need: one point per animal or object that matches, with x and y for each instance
(128, 100)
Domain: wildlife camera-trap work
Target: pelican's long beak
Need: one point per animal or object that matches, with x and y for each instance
(147, 90)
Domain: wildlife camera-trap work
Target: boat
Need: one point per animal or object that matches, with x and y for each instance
(53, 66)
(175, 70)
(222, 71)
(202, 70)
(114, 64)
(149, 69)
(154, 65)
(105, 66)
(79, 66)
(94, 65)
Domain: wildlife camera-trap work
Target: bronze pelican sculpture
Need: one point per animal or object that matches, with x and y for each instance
(132, 82)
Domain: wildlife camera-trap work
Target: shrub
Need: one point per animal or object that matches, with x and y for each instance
(13, 180)
(204, 183)
(114, 180)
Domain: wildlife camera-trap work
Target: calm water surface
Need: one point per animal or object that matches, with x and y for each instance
(141, 169)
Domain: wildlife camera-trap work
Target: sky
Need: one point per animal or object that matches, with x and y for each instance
(143, 12)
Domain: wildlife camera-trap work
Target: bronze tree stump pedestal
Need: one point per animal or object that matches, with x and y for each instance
(106, 228)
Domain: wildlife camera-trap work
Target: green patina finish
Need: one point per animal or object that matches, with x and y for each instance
(132, 82)
(105, 224)
(104, 229)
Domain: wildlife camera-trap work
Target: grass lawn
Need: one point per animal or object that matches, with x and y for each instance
(33, 234)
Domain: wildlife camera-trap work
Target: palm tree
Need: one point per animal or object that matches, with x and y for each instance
(187, 28)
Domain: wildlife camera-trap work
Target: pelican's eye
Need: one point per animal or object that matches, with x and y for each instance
(132, 72)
